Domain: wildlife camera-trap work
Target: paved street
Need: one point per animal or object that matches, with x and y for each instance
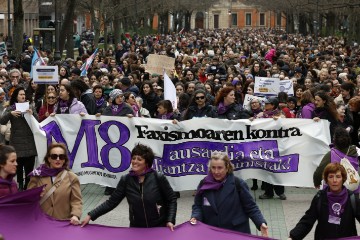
(282, 216)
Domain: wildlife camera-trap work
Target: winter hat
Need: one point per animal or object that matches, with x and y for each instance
(115, 93)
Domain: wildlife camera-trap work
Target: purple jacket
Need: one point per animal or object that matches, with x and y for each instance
(76, 107)
(307, 111)
(6, 189)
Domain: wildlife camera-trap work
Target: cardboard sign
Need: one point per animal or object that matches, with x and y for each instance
(157, 64)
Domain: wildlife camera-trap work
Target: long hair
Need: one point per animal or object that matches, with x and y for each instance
(329, 105)
(222, 94)
(14, 95)
(5, 150)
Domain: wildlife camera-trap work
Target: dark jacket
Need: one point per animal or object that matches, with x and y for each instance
(152, 205)
(88, 99)
(21, 138)
(234, 112)
(228, 208)
(149, 102)
(324, 229)
(124, 111)
(195, 112)
(322, 113)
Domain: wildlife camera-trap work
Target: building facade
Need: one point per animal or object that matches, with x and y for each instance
(236, 14)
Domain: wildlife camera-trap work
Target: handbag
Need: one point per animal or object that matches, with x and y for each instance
(52, 190)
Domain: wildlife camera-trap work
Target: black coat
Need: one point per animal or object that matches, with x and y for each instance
(324, 229)
(124, 111)
(152, 205)
(234, 112)
(89, 101)
(195, 112)
(149, 102)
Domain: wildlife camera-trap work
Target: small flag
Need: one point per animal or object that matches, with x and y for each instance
(169, 91)
(37, 60)
(85, 67)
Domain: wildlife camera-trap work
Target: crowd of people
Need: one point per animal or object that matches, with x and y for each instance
(214, 70)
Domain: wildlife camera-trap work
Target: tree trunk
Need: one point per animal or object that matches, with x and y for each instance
(67, 26)
(117, 30)
(96, 25)
(105, 37)
(187, 21)
(70, 45)
(18, 28)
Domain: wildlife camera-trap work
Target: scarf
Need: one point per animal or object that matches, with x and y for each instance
(147, 170)
(222, 108)
(270, 113)
(336, 205)
(135, 110)
(64, 106)
(13, 107)
(45, 171)
(100, 102)
(116, 109)
(166, 116)
(209, 183)
(8, 181)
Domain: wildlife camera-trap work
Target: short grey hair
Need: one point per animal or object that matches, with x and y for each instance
(14, 70)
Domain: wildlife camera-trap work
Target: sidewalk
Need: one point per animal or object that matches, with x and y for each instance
(281, 216)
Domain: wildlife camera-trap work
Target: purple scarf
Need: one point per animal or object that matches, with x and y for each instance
(8, 181)
(13, 107)
(133, 174)
(166, 116)
(336, 205)
(115, 108)
(100, 102)
(135, 110)
(270, 113)
(222, 108)
(63, 106)
(209, 183)
(45, 171)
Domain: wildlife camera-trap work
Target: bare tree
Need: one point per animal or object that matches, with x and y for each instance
(18, 27)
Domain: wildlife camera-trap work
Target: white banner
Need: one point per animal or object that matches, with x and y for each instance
(283, 151)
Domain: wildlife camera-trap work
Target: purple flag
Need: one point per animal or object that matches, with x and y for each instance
(21, 218)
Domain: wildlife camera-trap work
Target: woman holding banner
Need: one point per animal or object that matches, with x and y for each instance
(61, 198)
(335, 209)
(223, 200)
(152, 201)
(8, 167)
(68, 103)
(226, 106)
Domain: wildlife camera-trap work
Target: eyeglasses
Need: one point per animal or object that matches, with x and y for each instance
(57, 156)
(15, 76)
(199, 97)
(51, 97)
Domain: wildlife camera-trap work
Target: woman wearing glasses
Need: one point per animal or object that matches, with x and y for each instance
(61, 197)
(199, 107)
(48, 107)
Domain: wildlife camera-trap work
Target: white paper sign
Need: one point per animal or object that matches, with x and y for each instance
(265, 86)
(22, 107)
(46, 74)
(287, 86)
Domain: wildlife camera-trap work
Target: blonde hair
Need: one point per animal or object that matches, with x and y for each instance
(217, 155)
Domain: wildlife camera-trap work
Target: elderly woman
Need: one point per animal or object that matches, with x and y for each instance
(332, 207)
(61, 198)
(152, 201)
(8, 166)
(21, 136)
(223, 200)
(199, 107)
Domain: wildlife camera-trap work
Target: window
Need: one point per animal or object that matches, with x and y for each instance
(216, 21)
(234, 19)
(262, 19)
(248, 19)
(278, 19)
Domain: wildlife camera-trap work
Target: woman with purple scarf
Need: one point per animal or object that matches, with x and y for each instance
(8, 167)
(332, 207)
(227, 108)
(68, 103)
(152, 201)
(101, 102)
(61, 197)
(165, 111)
(342, 148)
(223, 200)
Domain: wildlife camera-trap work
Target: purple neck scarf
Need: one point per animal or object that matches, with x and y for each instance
(13, 107)
(336, 206)
(7, 181)
(209, 183)
(270, 113)
(166, 116)
(63, 106)
(100, 102)
(222, 108)
(133, 174)
(115, 108)
(45, 171)
(135, 109)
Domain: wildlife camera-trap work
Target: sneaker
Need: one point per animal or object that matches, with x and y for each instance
(254, 187)
(264, 196)
(282, 196)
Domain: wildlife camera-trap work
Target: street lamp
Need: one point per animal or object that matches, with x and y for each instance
(57, 55)
(9, 38)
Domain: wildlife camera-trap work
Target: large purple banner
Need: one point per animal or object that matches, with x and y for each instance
(21, 218)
